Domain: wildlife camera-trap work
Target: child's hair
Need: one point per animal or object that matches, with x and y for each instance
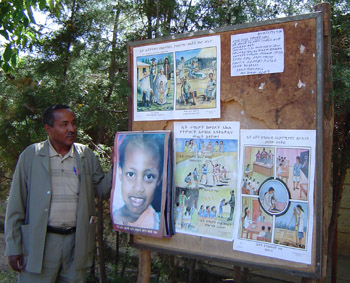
(153, 143)
(298, 158)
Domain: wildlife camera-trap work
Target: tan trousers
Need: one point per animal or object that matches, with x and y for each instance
(58, 262)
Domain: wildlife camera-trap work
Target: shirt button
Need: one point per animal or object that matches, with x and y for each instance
(48, 192)
(46, 209)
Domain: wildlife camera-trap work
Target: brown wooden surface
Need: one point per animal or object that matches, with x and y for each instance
(281, 104)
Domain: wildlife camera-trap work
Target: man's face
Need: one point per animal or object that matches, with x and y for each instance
(140, 178)
(211, 76)
(63, 132)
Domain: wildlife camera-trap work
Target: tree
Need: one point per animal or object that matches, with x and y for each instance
(16, 18)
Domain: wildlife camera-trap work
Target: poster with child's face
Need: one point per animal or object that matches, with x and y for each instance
(139, 182)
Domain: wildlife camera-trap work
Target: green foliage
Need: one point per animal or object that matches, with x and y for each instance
(8, 276)
(15, 27)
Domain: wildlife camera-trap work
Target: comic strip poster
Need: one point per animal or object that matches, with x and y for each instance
(140, 180)
(177, 80)
(275, 195)
(206, 160)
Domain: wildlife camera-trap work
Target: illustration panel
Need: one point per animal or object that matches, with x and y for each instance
(206, 158)
(276, 196)
(196, 78)
(155, 88)
(177, 80)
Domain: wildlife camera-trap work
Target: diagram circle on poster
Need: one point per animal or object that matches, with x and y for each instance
(274, 196)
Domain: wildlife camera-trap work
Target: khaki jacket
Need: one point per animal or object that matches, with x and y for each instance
(29, 205)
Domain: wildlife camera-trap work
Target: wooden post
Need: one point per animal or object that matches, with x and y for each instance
(144, 275)
(328, 124)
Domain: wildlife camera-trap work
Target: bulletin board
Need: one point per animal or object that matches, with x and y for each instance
(292, 99)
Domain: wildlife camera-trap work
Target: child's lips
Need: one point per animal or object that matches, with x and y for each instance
(136, 201)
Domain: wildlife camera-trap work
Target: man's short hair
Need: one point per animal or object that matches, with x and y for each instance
(49, 117)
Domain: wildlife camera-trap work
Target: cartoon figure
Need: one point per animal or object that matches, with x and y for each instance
(140, 173)
(221, 208)
(210, 91)
(299, 224)
(232, 203)
(146, 90)
(269, 201)
(296, 173)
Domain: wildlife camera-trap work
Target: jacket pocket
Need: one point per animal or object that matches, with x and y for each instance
(26, 235)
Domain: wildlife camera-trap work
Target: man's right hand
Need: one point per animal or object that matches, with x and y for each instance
(16, 262)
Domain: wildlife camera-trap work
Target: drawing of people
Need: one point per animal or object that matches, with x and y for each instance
(210, 91)
(201, 211)
(188, 179)
(268, 235)
(146, 89)
(153, 78)
(216, 147)
(221, 146)
(183, 198)
(299, 224)
(161, 87)
(232, 203)
(269, 201)
(191, 70)
(140, 173)
(221, 208)
(186, 147)
(212, 213)
(195, 176)
(167, 70)
(260, 217)
(204, 173)
(186, 92)
(296, 172)
(181, 68)
(246, 218)
(258, 156)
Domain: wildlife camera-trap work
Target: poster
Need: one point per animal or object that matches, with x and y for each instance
(275, 207)
(206, 160)
(260, 52)
(140, 180)
(177, 80)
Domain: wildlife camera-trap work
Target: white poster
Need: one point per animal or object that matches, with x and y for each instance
(275, 195)
(260, 52)
(206, 166)
(177, 80)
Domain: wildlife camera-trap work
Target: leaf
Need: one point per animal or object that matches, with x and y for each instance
(7, 53)
(30, 12)
(42, 4)
(4, 34)
(14, 59)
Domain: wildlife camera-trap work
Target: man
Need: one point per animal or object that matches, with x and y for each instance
(232, 203)
(210, 91)
(146, 90)
(50, 217)
(186, 92)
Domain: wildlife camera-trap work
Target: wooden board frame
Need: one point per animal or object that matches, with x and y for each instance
(308, 101)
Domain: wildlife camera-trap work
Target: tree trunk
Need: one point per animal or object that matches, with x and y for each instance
(100, 243)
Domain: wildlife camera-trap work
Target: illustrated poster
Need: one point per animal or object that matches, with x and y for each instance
(275, 207)
(206, 160)
(177, 80)
(139, 189)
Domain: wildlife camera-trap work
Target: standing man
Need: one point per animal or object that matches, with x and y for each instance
(50, 217)
(232, 203)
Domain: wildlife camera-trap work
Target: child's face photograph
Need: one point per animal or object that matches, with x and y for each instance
(140, 178)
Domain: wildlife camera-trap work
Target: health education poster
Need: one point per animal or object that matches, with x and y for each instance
(275, 196)
(177, 80)
(140, 179)
(206, 160)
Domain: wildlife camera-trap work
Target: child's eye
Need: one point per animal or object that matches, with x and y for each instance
(130, 174)
(149, 177)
